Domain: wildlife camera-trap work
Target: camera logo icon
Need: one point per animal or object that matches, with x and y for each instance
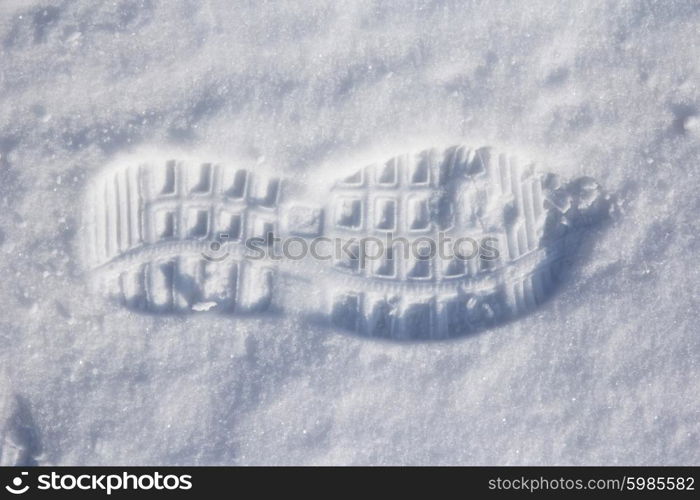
(16, 487)
(216, 252)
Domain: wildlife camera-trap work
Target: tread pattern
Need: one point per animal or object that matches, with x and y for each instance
(460, 192)
(152, 224)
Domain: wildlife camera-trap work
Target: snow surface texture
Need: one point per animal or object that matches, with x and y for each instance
(605, 372)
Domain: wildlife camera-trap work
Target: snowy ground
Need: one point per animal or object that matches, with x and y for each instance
(604, 373)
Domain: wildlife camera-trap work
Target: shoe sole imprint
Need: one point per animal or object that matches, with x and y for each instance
(151, 226)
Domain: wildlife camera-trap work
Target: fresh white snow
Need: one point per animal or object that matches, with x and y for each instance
(606, 372)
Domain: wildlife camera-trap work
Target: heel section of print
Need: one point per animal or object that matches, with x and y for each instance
(151, 227)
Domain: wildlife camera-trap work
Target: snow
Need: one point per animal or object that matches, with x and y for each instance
(604, 373)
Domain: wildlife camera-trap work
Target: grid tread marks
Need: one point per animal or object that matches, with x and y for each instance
(463, 192)
(152, 223)
(457, 192)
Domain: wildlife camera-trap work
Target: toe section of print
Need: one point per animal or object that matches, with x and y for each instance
(452, 241)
